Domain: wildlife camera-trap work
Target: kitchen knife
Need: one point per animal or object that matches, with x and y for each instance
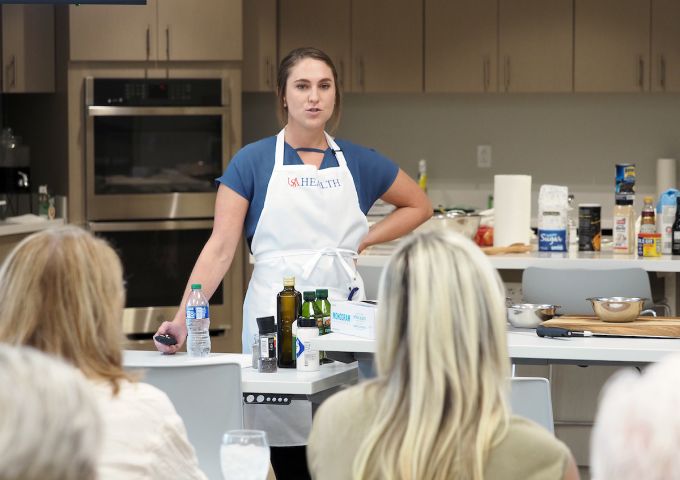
(556, 332)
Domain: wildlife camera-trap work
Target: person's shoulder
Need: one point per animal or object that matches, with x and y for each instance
(527, 437)
(350, 148)
(263, 148)
(349, 405)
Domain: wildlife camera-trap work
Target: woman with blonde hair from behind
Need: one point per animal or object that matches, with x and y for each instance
(438, 408)
(50, 428)
(61, 292)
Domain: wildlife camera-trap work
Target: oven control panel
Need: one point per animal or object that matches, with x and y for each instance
(157, 93)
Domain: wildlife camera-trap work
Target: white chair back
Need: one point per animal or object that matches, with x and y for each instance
(530, 398)
(208, 397)
(571, 287)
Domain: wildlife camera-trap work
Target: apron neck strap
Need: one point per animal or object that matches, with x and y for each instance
(281, 141)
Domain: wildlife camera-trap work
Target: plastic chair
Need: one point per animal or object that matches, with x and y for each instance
(570, 288)
(207, 396)
(530, 398)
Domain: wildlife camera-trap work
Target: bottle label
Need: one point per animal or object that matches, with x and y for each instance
(197, 312)
(268, 347)
(552, 240)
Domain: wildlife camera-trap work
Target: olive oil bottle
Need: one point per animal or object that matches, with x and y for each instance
(288, 305)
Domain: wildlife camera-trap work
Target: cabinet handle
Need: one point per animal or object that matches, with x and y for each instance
(662, 73)
(148, 42)
(506, 73)
(641, 72)
(12, 67)
(272, 75)
(485, 73)
(267, 76)
(167, 43)
(361, 73)
(342, 73)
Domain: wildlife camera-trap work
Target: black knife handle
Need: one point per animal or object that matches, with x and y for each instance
(542, 331)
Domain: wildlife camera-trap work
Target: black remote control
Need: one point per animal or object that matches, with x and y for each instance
(166, 339)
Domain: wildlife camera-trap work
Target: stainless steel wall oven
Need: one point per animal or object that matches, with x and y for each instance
(153, 150)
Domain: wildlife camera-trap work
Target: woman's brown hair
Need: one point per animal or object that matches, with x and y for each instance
(61, 291)
(288, 62)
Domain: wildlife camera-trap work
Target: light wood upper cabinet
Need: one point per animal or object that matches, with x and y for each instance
(196, 30)
(259, 45)
(535, 38)
(611, 45)
(27, 48)
(113, 32)
(665, 59)
(191, 30)
(330, 31)
(461, 46)
(387, 45)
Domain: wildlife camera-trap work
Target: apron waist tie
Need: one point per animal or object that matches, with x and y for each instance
(339, 253)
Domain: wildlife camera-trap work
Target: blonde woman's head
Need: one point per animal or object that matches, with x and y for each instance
(442, 363)
(61, 291)
(50, 427)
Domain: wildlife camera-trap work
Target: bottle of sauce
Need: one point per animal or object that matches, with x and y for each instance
(648, 220)
(288, 303)
(624, 227)
(307, 312)
(675, 245)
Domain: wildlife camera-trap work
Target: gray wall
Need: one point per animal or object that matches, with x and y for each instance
(567, 139)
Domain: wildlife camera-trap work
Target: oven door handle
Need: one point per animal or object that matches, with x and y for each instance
(148, 226)
(101, 111)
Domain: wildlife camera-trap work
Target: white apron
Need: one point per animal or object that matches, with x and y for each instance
(310, 227)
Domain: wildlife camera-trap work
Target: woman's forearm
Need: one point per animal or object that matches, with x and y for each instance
(401, 221)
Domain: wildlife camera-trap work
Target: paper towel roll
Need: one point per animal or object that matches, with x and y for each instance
(665, 175)
(512, 209)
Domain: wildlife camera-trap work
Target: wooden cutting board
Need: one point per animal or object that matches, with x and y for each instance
(655, 326)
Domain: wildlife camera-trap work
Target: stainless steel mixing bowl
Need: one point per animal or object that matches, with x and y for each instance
(530, 315)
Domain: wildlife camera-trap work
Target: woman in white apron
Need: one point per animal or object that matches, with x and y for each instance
(310, 223)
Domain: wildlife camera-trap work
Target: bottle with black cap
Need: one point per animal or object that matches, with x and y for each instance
(307, 358)
(267, 329)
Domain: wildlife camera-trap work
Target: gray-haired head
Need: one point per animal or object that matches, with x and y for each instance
(637, 426)
(50, 427)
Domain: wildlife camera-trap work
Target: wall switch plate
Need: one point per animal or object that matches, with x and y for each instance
(483, 156)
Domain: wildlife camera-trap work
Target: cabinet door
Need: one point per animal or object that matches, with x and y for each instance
(535, 38)
(461, 46)
(259, 45)
(611, 45)
(387, 45)
(200, 30)
(113, 32)
(330, 32)
(665, 60)
(27, 48)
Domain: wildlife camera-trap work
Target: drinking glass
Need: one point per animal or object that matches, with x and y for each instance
(245, 455)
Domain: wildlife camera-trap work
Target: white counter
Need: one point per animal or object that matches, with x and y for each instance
(525, 345)
(285, 380)
(591, 260)
(8, 228)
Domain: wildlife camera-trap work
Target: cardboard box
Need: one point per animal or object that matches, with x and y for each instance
(354, 318)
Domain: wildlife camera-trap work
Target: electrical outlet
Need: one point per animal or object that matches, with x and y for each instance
(484, 156)
(513, 290)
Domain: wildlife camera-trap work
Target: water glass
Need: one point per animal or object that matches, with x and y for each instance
(245, 455)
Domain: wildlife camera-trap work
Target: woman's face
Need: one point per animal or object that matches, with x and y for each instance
(310, 94)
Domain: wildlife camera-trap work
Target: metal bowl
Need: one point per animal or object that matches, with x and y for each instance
(456, 220)
(530, 315)
(619, 309)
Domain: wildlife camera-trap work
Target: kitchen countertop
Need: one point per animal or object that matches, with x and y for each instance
(590, 260)
(284, 381)
(524, 346)
(8, 228)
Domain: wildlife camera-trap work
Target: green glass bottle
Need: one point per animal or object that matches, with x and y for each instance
(322, 307)
(288, 303)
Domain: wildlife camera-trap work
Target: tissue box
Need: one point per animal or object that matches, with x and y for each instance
(354, 318)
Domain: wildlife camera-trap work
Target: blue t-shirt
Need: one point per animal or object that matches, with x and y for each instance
(249, 172)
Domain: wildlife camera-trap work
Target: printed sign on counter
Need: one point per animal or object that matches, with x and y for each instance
(354, 318)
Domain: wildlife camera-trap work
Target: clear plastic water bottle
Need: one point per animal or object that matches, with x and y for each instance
(198, 323)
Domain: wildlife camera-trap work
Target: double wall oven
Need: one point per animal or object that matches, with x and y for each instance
(153, 148)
